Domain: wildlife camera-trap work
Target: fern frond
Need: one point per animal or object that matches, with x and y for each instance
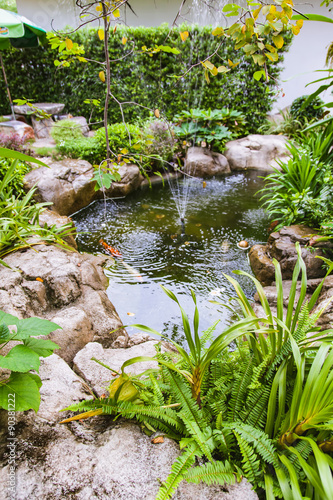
(204, 439)
(178, 470)
(260, 441)
(183, 395)
(240, 390)
(212, 473)
(224, 440)
(256, 406)
(251, 464)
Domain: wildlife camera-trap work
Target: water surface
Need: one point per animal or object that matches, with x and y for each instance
(145, 228)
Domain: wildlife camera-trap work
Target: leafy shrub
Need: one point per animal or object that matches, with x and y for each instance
(141, 78)
(64, 130)
(301, 191)
(289, 126)
(312, 111)
(93, 149)
(20, 391)
(212, 127)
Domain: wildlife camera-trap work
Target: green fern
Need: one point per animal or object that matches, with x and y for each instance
(178, 470)
(240, 390)
(183, 395)
(259, 440)
(212, 473)
(251, 464)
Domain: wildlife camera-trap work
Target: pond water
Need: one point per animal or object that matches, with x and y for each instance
(145, 228)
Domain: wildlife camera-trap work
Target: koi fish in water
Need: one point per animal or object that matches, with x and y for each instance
(112, 251)
(115, 253)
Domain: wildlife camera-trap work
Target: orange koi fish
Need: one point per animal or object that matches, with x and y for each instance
(115, 253)
(112, 251)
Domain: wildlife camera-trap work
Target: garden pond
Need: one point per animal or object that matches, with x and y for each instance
(145, 228)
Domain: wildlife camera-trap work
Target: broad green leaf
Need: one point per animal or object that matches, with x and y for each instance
(16, 155)
(258, 74)
(31, 327)
(20, 359)
(42, 347)
(25, 388)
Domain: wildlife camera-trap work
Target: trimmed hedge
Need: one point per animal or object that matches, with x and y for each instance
(141, 78)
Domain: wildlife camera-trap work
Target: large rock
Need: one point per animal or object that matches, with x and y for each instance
(51, 218)
(51, 108)
(65, 287)
(201, 162)
(257, 152)
(261, 264)
(97, 459)
(42, 128)
(96, 375)
(130, 181)
(23, 130)
(68, 184)
(281, 246)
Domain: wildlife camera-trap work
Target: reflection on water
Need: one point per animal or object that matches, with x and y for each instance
(145, 228)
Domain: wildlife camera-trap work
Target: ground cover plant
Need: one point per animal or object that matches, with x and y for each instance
(261, 409)
(211, 127)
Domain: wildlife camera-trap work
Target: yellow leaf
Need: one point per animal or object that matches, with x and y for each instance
(116, 13)
(124, 151)
(69, 43)
(101, 75)
(299, 23)
(157, 113)
(218, 31)
(123, 40)
(278, 41)
(136, 146)
(256, 12)
(184, 35)
(208, 65)
(272, 9)
(295, 29)
(99, 8)
(101, 34)
(207, 76)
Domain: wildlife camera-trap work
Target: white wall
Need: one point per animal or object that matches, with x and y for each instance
(306, 54)
(42, 12)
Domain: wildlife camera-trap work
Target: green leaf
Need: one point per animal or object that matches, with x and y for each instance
(20, 359)
(24, 387)
(258, 74)
(312, 17)
(32, 327)
(4, 333)
(9, 153)
(42, 347)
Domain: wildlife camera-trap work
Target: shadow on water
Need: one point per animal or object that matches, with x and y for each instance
(146, 229)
